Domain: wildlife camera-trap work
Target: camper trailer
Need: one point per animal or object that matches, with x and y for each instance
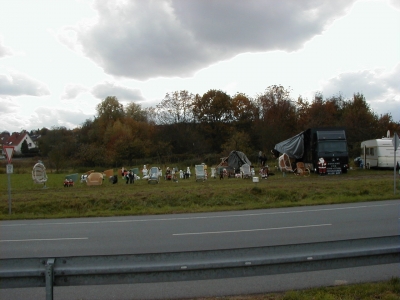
(379, 153)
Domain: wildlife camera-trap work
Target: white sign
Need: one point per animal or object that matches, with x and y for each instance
(10, 169)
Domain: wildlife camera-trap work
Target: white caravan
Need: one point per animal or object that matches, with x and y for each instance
(379, 153)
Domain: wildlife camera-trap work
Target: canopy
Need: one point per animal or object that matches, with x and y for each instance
(236, 159)
(293, 147)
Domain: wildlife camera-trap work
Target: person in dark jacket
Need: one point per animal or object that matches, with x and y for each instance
(126, 176)
(263, 160)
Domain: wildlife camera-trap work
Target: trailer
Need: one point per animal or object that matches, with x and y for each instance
(379, 153)
(309, 146)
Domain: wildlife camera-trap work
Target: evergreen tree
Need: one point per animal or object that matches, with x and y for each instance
(24, 147)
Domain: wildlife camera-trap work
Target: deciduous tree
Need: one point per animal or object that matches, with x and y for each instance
(276, 116)
(59, 144)
(175, 118)
(135, 112)
(243, 112)
(325, 112)
(214, 113)
(109, 111)
(175, 108)
(360, 122)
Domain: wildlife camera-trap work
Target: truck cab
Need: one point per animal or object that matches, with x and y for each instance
(329, 144)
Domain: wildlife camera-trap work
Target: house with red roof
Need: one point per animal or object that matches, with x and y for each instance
(16, 139)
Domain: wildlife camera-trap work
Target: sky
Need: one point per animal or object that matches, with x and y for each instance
(60, 58)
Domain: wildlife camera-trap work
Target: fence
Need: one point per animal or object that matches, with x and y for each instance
(196, 265)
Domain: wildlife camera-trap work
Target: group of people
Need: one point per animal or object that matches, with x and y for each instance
(129, 176)
(170, 174)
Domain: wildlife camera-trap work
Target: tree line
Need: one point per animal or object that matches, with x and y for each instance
(202, 128)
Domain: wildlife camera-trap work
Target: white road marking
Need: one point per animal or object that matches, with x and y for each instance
(199, 217)
(42, 240)
(250, 230)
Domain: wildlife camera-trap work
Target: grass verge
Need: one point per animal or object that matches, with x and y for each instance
(388, 290)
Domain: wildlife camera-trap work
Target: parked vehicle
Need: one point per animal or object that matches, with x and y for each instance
(379, 153)
(315, 143)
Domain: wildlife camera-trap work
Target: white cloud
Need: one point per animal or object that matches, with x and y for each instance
(18, 84)
(7, 105)
(72, 91)
(13, 123)
(43, 116)
(106, 89)
(145, 39)
(4, 51)
(10, 120)
(68, 36)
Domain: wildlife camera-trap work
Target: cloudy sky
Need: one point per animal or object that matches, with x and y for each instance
(60, 58)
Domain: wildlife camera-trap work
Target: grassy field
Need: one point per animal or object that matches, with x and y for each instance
(31, 201)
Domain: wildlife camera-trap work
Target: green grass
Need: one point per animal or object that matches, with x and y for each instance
(30, 201)
(388, 290)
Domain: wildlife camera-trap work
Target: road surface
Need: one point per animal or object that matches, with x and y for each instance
(205, 231)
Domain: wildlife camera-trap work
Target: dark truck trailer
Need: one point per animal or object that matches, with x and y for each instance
(315, 143)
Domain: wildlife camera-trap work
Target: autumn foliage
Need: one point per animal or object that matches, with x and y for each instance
(184, 126)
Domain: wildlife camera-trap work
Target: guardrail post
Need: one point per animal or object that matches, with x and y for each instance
(49, 274)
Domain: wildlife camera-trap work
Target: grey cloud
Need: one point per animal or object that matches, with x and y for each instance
(373, 84)
(392, 79)
(379, 87)
(106, 89)
(395, 3)
(366, 82)
(20, 84)
(255, 25)
(387, 106)
(72, 91)
(145, 39)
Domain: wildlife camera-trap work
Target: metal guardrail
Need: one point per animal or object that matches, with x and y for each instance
(196, 265)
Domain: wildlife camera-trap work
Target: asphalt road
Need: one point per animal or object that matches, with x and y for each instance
(186, 232)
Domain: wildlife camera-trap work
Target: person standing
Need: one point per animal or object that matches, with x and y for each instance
(263, 160)
(126, 176)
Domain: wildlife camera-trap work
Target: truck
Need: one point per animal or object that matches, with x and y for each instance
(311, 145)
(379, 153)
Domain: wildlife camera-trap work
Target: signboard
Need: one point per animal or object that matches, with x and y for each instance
(10, 169)
(9, 150)
(395, 141)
